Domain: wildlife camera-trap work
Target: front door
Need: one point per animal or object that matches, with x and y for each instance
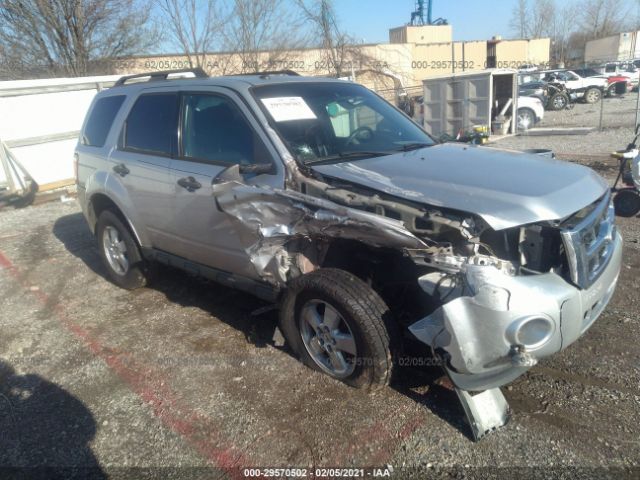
(216, 132)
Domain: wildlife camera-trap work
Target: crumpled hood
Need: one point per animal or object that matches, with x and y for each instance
(505, 188)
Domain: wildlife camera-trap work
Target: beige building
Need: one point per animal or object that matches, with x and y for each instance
(413, 54)
(421, 34)
(622, 46)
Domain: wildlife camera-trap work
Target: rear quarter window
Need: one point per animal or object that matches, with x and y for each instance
(100, 120)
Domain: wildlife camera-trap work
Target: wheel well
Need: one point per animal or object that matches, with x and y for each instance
(99, 203)
(393, 275)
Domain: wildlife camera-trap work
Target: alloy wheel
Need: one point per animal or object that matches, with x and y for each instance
(525, 121)
(328, 338)
(115, 250)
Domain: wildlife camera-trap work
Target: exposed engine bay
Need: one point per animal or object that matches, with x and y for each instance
(491, 301)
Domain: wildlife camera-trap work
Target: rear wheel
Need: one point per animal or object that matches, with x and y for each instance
(338, 325)
(627, 203)
(120, 253)
(559, 101)
(592, 95)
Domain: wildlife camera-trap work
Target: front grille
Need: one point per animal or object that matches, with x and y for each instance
(589, 244)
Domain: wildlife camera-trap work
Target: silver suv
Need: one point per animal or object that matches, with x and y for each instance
(371, 237)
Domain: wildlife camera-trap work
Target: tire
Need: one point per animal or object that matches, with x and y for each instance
(120, 252)
(344, 310)
(611, 91)
(526, 118)
(558, 101)
(592, 95)
(627, 203)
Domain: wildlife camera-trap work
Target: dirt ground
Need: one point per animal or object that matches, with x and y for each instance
(616, 112)
(181, 380)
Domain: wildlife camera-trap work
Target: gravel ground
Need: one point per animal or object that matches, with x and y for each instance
(616, 112)
(617, 132)
(181, 380)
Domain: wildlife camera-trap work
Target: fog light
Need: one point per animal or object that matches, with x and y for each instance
(531, 332)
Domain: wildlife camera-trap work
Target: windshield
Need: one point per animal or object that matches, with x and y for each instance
(326, 122)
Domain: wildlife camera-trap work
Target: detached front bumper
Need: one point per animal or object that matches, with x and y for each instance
(511, 322)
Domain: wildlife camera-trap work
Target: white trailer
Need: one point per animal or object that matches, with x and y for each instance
(457, 102)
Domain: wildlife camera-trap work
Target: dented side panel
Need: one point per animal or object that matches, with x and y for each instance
(281, 229)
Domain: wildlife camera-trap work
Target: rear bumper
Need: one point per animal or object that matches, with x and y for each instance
(82, 200)
(511, 322)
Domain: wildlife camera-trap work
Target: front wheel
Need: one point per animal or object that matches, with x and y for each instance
(626, 203)
(338, 325)
(526, 118)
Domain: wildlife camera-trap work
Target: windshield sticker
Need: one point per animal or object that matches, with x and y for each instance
(284, 109)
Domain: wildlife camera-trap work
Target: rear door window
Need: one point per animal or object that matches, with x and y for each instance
(100, 120)
(152, 124)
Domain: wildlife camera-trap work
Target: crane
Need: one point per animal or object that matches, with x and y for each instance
(418, 16)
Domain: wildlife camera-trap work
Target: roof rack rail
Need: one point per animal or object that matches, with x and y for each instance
(266, 73)
(161, 75)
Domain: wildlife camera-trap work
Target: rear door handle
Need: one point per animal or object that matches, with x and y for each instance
(121, 169)
(190, 183)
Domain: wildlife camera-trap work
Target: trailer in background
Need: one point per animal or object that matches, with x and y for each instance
(457, 102)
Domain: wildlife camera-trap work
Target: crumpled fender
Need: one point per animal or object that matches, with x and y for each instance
(267, 219)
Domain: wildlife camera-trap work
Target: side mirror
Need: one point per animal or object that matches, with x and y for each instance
(256, 168)
(232, 175)
(226, 180)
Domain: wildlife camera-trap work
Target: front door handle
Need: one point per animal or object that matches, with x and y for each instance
(190, 183)
(121, 169)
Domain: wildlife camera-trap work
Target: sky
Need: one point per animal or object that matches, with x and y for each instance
(370, 20)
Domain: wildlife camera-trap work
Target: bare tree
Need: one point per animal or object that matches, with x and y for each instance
(73, 37)
(520, 19)
(261, 28)
(600, 18)
(193, 26)
(560, 31)
(333, 41)
(533, 21)
(543, 15)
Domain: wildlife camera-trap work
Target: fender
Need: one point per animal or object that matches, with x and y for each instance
(109, 185)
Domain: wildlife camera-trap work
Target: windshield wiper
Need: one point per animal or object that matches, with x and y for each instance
(344, 156)
(407, 147)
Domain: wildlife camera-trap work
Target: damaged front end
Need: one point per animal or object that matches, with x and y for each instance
(499, 317)
(498, 301)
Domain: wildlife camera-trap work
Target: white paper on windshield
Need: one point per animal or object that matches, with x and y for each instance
(284, 109)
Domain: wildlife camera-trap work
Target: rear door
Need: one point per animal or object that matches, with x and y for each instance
(92, 152)
(147, 141)
(216, 132)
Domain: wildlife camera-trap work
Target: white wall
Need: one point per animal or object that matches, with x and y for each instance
(39, 108)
